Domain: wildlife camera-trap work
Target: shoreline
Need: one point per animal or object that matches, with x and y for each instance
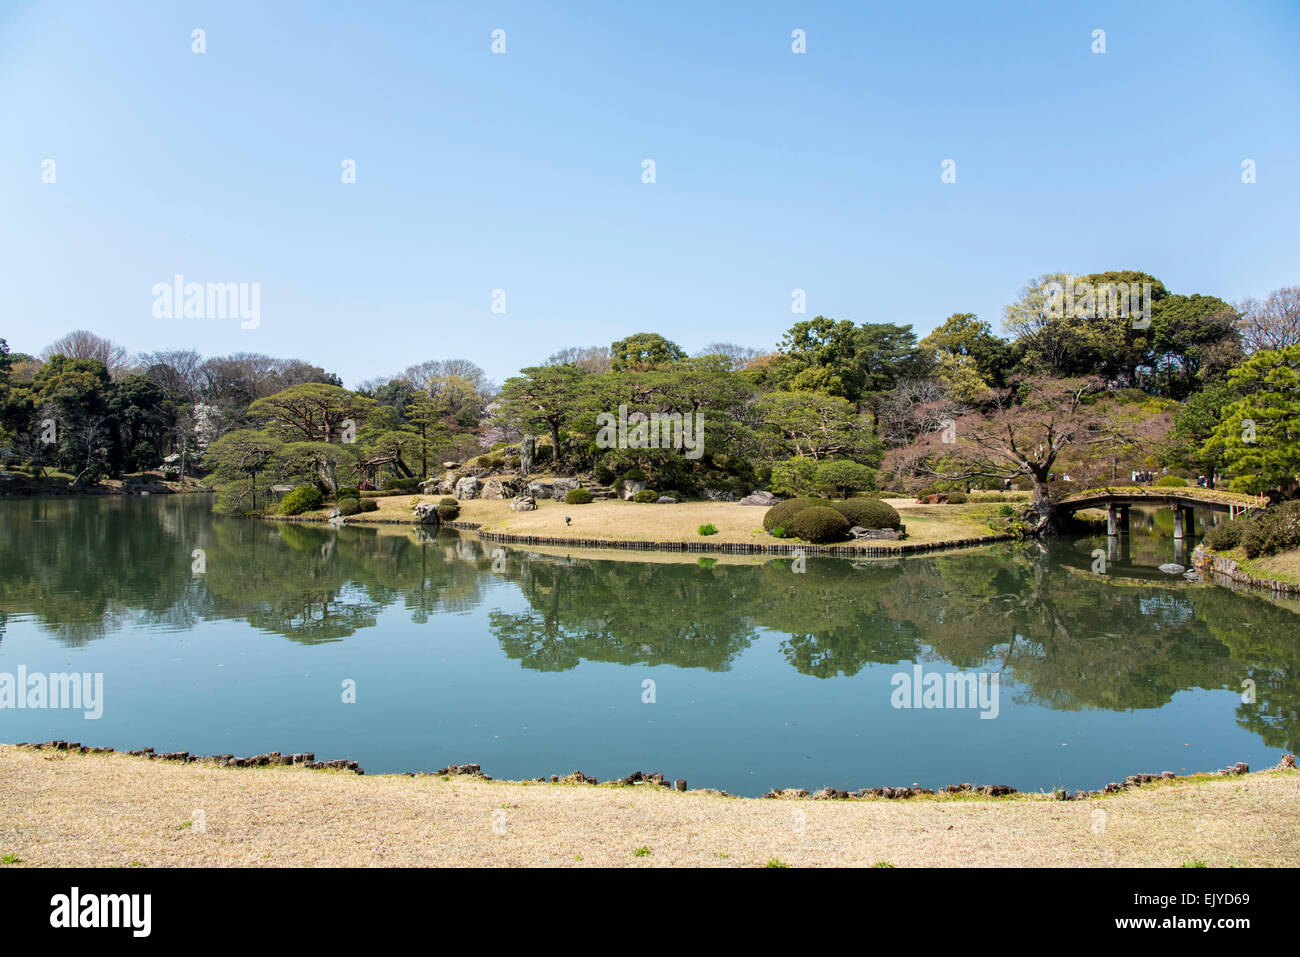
(67, 808)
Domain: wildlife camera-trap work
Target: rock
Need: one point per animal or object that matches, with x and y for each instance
(450, 465)
(523, 503)
(541, 489)
(562, 486)
(680, 784)
(335, 513)
(1173, 568)
(467, 487)
(665, 500)
(497, 488)
(427, 513)
(626, 488)
(760, 498)
(718, 495)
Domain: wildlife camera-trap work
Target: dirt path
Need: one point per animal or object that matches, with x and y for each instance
(62, 808)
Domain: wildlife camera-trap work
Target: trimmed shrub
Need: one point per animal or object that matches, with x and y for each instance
(956, 498)
(369, 505)
(347, 491)
(709, 529)
(634, 475)
(395, 484)
(448, 513)
(868, 513)
(646, 495)
(349, 506)
(819, 524)
(577, 496)
(1225, 535)
(844, 477)
(780, 514)
(1273, 530)
(448, 500)
(1171, 481)
(301, 500)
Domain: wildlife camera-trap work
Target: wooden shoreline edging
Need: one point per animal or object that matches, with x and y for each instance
(1212, 565)
(654, 778)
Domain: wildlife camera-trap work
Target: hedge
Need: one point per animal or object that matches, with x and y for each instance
(868, 513)
(819, 524)
(780, 515)
(301, 500)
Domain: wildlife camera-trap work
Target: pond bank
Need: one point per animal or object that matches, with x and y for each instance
(66, 808)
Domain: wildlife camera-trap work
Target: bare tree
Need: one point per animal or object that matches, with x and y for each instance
(1273, 323)
(594, 360)
(738, 356)
(83, 344)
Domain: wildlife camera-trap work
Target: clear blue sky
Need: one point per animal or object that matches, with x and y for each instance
(522, 171)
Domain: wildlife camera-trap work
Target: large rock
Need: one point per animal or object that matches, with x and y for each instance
(427, 513)
(541, 489)
(665, 500)
(467, 487)
(497, 488)
(523, 503)
(626, 488)
(719, 495)
(765, 499)
(1172, 568)
(562, 486)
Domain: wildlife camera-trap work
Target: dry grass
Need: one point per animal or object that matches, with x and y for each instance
(68, 809)
(613, 519)
(1284, 566)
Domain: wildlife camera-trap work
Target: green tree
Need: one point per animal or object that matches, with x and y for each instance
(237, 459)
(312, 412)
(542, 397)
(844, 477)
(645, 350)
(1259, 433)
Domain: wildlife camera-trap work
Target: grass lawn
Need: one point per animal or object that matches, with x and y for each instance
(113, 810)
(1283, 567)
(614, 519)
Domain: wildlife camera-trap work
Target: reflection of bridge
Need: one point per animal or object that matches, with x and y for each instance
(1183, 501)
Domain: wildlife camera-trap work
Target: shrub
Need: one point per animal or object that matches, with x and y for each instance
(646, 495)
(369, 505)
(709, 529)
(634, 475)
(1171, 481)
(782, 513)
(604, 474)
(577, 496)
(349, 506)
(1225, 535)
(844, 477)
(301, 500)
(395, 484)
(819, 524)
(448, 513)
(448, 500)
(1273, 530)
(672, 494)
(793, 476)
(347, 491)
(868, 513)
(956, 498)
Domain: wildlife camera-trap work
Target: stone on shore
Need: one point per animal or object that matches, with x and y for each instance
(764, 499)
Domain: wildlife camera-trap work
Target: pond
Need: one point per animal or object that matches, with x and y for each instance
(408, 651)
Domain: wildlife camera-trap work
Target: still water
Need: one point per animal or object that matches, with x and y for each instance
(736, 676)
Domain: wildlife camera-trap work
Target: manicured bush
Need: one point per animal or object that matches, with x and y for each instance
(646, 495)
(448, 500)
(956, 498)
(819, 524)
(867, 513)
(395, 484)
(448, 513)
(1225, 535)
(1273, 530)
(347, 491)
(301, 500)
(781, 513)
(709, 529)
(634, 475)
(577, 496)
(844, 477)
(349, 506)
(1171, 481)
(369, 505)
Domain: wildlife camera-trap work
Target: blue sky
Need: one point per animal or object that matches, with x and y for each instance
(522, 171)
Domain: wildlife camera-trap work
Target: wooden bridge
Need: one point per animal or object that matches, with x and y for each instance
(1183, 500)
